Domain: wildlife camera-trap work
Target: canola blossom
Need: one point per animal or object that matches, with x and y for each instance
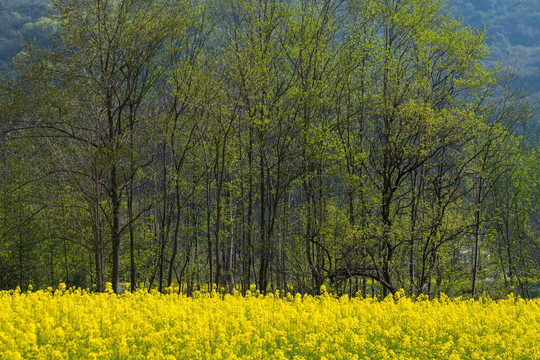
(75, 324)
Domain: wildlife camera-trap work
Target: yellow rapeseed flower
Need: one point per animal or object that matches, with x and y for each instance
(73, 323)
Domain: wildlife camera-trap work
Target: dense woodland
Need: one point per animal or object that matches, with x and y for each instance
(512, 32)
(364, 145)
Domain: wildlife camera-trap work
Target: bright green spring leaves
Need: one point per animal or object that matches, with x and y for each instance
(74, 324)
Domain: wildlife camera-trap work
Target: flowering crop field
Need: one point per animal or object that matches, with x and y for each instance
(74, 324)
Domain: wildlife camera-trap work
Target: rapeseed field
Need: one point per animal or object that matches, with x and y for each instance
(76, 324)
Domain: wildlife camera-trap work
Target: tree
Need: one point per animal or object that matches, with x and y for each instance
(429, 86)
(280, 142)
(98, 79)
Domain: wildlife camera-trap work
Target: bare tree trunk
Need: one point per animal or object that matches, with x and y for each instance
(209, 233)
(164, 224)
(132, 268)
(476, 248)
(176, 231)
(263, 266)
(247, 241)
(99, 270)
(230, 259)
(115, 231)
(95, 215)
(219, 170)
(507, 233)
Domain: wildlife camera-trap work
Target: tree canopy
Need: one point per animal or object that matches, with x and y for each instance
(363, 145)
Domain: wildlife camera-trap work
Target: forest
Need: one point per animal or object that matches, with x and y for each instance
(365, 146)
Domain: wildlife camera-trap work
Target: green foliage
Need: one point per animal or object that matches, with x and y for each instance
(268, 142)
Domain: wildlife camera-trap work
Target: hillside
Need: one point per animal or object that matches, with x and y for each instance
(513, 32)
(21, 19)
